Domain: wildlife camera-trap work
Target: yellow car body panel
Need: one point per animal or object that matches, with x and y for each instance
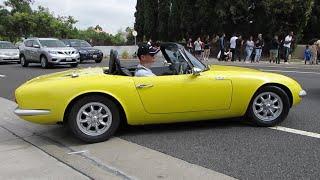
(221, 92)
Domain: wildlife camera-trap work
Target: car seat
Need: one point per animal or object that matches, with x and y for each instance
(115, 66)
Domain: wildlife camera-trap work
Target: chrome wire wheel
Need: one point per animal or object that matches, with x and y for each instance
(267, 106)
(94, 119)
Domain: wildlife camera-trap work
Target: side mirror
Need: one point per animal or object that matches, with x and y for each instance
(196, 71)
(36, 46)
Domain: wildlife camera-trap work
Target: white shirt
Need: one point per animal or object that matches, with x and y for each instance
(288, 39)
(250, 44)
(197, 45)
(233, 42)
(142, 71)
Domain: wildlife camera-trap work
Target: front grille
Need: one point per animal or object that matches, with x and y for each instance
(67, 52)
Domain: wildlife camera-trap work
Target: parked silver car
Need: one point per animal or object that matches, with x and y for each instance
(8, 52)
(47, 51)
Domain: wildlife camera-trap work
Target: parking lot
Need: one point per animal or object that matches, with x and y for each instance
(230, 147)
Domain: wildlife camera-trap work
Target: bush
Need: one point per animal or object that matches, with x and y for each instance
(125, 55)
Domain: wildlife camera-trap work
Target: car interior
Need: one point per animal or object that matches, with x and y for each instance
(170, 61)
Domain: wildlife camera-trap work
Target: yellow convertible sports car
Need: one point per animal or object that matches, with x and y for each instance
(94, 101)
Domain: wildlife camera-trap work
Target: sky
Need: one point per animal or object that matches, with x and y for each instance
(111, 15)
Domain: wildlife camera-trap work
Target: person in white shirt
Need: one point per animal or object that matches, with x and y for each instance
(233, 43)
(146, 56)
(287, 46)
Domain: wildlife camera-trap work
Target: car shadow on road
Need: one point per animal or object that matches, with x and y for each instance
(128, 130)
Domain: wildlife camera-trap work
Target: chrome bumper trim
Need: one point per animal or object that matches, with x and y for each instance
(302, 93)
(29, 112)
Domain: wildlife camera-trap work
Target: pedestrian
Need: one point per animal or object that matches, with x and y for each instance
(307, 55)
(274, 50)
(249, 49)
(287, 46)
(258, 46)
(197, 48)
(314, 51)
(238, 50)
(207, 47)
(222, 47)
(233, 46)
(190, 46)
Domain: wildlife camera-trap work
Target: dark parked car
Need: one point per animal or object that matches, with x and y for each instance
(87, 52)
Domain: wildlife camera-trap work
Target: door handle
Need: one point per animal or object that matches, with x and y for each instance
(144, 86)
(219, 78)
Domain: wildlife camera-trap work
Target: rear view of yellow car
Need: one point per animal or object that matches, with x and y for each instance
(94, 101)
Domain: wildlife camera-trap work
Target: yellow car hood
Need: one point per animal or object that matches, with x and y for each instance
(69, 74)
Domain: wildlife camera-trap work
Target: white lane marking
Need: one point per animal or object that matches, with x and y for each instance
(299, 72)
(2, 76)
(78, 152)
(295, 131)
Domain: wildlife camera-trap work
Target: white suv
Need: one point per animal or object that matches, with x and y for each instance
(47, 51)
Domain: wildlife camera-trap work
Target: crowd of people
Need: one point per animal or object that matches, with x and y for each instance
(252, 48)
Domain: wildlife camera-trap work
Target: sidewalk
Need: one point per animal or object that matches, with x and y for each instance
(31, 151)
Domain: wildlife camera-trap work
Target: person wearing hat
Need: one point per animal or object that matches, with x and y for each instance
(146, 55)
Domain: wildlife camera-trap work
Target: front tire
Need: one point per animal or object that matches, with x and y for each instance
(23, 61)
(98, 60)
(269, 106)
(94, 119)
(74, 65)
(44, 62)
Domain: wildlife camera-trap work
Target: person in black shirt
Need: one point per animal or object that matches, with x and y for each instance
(259, 45)
(239, 45)
(274, 50)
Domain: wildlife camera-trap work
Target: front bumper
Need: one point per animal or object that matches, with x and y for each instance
(64, 59)
(5, 58)
(30, 112)
(91, 56)
(302, 93)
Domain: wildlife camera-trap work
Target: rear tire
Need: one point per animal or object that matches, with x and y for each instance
(269, 106)
(23, 61)
(94, 119)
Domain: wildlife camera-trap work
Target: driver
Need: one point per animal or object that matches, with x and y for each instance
(146, 56)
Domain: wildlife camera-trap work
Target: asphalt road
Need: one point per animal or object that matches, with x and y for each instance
(229, 147)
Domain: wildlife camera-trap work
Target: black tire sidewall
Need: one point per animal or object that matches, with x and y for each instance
(74, 65)
(45, 60)
(286, 107)
(72, 122)
(98, 60)
(23, 59)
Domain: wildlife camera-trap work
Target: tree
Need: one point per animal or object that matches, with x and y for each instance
(139, 23)
(312, 29)
(175, 20)
(163, 19)
(19, 5)
(150, 18)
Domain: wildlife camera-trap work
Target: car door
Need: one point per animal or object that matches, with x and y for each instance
(35, 52)
(184, 93)
(27, 49)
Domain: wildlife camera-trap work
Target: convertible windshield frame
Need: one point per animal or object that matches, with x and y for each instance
(194, 61)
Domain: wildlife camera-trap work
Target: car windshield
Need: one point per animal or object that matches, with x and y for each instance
(52, 43)
(7, 45)
(79, 43)
(195, 62)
